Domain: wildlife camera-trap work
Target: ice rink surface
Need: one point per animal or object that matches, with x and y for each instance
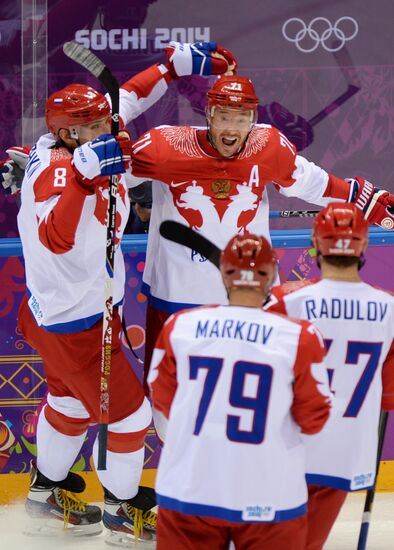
(343, 537)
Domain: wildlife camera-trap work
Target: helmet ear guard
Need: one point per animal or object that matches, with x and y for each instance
(248, 262)
(74, 133)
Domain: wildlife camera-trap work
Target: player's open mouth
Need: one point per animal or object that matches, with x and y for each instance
(229, 142)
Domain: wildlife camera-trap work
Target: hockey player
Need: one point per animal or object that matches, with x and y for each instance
(214, 180)
(62, 224)
(236, 400)
(357, 323)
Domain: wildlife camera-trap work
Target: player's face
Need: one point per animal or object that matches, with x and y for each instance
(88, 132)
(229, 129)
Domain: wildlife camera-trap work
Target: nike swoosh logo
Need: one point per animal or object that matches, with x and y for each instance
(172, 184)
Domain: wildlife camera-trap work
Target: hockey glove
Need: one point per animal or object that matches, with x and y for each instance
(201, 58)
(296, 128)
(12, 170)
(106, 155)
(377, 204)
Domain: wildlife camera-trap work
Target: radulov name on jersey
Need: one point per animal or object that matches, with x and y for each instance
(344, 308)
(231, 328)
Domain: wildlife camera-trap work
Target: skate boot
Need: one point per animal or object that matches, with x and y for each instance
(130, 521)
(54, 508)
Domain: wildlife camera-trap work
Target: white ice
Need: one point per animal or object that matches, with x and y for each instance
(343, 537)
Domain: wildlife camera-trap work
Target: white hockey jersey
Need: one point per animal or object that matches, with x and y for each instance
(218, 197)
(63, 227)
(357, 323)
(237, 399)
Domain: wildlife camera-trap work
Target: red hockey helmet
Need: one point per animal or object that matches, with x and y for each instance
(340, 230)
(248, 261)
(75, 105)
(235, 92)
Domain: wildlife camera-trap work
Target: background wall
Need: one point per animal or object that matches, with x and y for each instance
(335, 44)
(22, 382)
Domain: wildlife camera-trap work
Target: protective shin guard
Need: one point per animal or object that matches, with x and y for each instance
(56, 451)
(123, 472)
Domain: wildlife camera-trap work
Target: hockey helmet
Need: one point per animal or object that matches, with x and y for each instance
(248, 261)
(340, 229)
(234, 92)
(74, 105)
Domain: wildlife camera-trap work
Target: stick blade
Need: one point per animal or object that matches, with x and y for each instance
(181, 234)
(84, 57)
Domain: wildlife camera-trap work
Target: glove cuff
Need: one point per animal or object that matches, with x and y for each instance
(181, 59)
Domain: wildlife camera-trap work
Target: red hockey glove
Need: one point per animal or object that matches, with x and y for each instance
(202, 58)
(377, 204)
(12, 170)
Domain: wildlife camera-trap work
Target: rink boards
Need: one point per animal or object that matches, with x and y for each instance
(22, 381)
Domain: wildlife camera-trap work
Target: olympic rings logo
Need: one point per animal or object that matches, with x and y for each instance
(331, 32)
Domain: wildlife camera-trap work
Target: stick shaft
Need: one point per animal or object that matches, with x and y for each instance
(293, 214)
(95, 66)
(370, 496)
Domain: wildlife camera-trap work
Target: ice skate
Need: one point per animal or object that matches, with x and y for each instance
(129, 524)
(54, 508)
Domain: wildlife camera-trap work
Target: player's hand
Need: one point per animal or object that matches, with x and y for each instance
(377, 204)
(12, 170)
(296, 128)
(106, 155)
(201, 58)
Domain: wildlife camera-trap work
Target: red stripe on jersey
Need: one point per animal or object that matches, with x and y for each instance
(163, 388)
(65, 424)
(126, 442)
(276, 301)
(57, 231)
(310, 409)
(337, 188)
(143, 83)
(388, 380)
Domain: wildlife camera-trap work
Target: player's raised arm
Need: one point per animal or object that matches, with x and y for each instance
(295, 176)
(183, 59)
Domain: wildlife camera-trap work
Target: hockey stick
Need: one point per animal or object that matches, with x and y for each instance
(293, 214)
(362, 539)
(181, 234)
(95, 66)
(184, 235)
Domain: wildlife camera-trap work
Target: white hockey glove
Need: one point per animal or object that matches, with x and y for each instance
(12, 170)
(202, 58)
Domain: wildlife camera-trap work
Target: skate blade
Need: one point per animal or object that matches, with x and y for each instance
(48, 527)
(124, 540)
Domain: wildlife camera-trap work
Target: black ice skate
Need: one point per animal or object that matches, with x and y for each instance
(130, 520)
(56, 504)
